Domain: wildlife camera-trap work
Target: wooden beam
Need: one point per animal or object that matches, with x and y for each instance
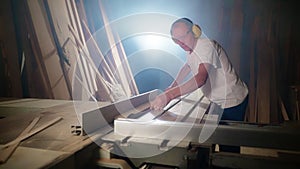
(63, 59)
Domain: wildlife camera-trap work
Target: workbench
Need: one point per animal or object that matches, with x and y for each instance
(53, 147)
(106, 130)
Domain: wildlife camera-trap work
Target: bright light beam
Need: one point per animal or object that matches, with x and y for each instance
(152, 41)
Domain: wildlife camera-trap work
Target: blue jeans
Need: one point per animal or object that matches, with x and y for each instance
(235, 113)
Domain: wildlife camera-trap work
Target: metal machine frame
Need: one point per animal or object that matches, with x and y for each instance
(189, 152)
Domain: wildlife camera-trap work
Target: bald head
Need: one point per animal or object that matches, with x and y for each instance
(182, 22)
(182, 35)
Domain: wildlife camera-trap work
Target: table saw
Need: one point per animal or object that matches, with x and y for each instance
(127, 134)
(187, 133)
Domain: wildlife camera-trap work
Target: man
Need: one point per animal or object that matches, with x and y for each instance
(211, 69)
(212, 72)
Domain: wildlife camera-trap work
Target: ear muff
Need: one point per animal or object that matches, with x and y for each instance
(196, 31)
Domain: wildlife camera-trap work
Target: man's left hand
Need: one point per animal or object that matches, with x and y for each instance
(160, 102)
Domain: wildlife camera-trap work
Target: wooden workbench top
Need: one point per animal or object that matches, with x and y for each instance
(49, 146)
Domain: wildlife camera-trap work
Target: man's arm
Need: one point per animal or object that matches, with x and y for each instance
(184, 71)
(192, 84)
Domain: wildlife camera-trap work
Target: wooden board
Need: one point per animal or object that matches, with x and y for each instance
(56, 140)
(38, 103)
(176, 121)
(28, 158)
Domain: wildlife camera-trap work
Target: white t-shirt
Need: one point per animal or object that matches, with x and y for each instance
(223, 85)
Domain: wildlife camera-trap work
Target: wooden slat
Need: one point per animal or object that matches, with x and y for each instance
(116, 63)
(283, 110)
(7, 150)
(107, 68)
(236, 28)
(128, 73)
(25, 136)
(273, 57)
(297, 110)
(263, 79)
(93, 71)
(252, 83)
(21, 159)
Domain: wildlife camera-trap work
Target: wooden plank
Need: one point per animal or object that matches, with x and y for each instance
(60, 136)
(297, 98)
(7, 150)
(113, 163)
(236, 28)
(297, 110)
(48, 51)
(12, 101)
(155, 129)
(33, 103)
(165, 126)
(77, 22)
(106, 68)
(259, 151)
(13, 120)
(118, 64)
(284, 137)
(293, 99)
(127, 69)
(232, 160)
(274, 74)
(82, 17)
(283, 110)
(253, 76)
(57, 138)
(94, 120)
(22, 115)
(56, 13)
(36, 68)
(91, 70)
(263, 76)
(38, 158)
(36, 130)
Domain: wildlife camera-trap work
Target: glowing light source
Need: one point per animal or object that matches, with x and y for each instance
(152, 41)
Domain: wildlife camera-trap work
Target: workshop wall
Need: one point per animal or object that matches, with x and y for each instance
(10, 80)
(261, 38)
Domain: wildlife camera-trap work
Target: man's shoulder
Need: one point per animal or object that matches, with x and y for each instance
(205, 44)
(206, 41)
